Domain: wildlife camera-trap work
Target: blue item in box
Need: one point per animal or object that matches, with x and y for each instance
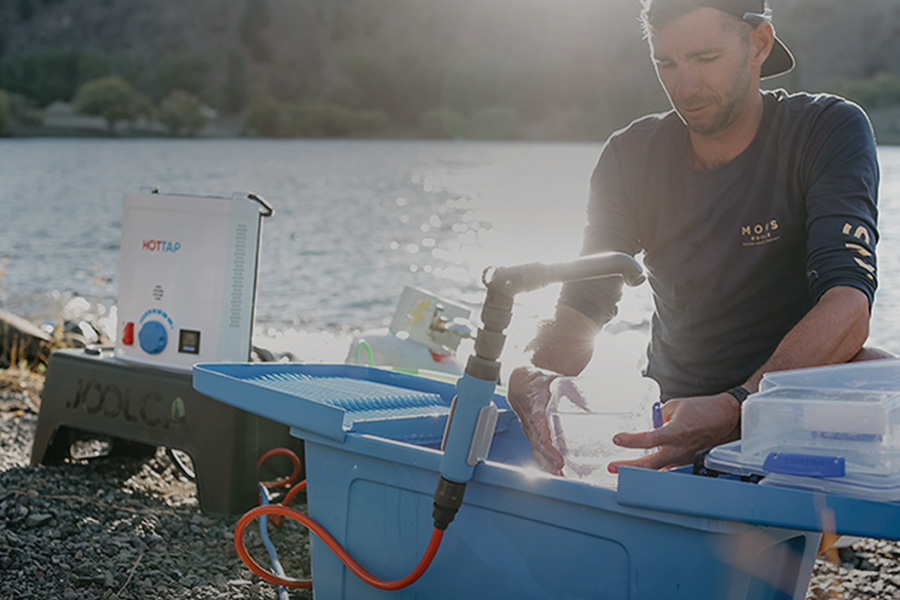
(728, 458)
(520, 533)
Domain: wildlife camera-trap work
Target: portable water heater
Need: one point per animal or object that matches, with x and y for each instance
(187, 278)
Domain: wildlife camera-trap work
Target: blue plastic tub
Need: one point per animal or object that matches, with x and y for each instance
(520, 533)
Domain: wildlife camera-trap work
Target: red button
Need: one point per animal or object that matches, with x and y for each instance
(128, 334)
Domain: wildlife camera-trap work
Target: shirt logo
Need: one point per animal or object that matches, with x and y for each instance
(758, 234)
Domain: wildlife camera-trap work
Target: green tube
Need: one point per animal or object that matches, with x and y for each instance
(364, 344)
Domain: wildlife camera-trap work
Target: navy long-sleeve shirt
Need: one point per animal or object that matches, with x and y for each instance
(735, 255)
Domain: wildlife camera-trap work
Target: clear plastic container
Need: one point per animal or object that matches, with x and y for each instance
(586, 412)
(859, 427)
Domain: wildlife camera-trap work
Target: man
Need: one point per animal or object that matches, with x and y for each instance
(756, 213)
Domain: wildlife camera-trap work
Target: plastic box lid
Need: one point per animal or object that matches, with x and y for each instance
(873, 375)
(728, 458)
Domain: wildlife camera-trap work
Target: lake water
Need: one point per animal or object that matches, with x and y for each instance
(355, 222)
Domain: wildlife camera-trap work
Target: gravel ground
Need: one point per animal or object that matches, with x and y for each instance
(119, 528)
(122, 527)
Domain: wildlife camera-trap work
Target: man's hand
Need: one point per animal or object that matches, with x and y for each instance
(529, 394)
(690, 425)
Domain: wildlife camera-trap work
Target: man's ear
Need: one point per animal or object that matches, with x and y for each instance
(762, 38)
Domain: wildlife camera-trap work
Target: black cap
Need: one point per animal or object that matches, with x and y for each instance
(658, 12)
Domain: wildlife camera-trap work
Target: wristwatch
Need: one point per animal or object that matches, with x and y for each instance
(739, 392)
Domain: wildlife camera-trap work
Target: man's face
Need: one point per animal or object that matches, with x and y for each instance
(703, 64)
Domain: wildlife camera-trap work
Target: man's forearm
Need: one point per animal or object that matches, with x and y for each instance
(833, 332)
(565, 345)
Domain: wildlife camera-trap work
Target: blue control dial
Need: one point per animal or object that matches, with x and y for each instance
(153, 337)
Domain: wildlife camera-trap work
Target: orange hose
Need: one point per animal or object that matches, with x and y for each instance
(277, 509)
(293, 492)
(282, 452)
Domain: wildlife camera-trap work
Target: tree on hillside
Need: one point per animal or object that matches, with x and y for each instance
(182, 111)
(5, 113)
(234, 91)
(181, 72)
(112, 98)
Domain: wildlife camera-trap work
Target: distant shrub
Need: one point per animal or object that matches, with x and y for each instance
(271, 119)
(181, 112)
(331, 120)
(51, 75)
(23, 112)
(5, 113)
(493, 123)
(184, 72)
(234, 90)
(263, 118)
(112, 98)
(879, 91)
(442, 123)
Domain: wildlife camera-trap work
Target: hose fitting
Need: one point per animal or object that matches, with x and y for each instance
(447, 499)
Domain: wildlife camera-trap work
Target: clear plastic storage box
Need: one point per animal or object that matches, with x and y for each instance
(826, 422)
(822, 432)
(833, 429)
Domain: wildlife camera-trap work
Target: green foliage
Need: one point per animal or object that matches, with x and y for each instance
(185, 72)
(442, 123)
(879, 91)
(255, 17)
(112, 98)
(370, 79)
(25, 9)
(234, 91)
(468, 91)
(263, 118)
(271, 119)
(52, 75)
(5, 113)
(331, 120)
(182, 112)
(493, 123)
(23, 112)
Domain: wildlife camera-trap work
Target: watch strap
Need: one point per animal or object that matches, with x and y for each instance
(739, 392)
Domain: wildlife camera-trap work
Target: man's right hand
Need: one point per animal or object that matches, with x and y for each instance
(529, 394)
(563, 346)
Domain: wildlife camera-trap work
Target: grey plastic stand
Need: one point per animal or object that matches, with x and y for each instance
(90, 391)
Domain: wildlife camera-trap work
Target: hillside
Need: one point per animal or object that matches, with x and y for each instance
(560, 69)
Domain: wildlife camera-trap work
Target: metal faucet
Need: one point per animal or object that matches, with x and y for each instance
(473, 415)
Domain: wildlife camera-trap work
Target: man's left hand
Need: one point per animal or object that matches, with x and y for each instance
(690, 425)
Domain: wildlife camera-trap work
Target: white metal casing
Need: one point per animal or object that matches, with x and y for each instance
(187, 279)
